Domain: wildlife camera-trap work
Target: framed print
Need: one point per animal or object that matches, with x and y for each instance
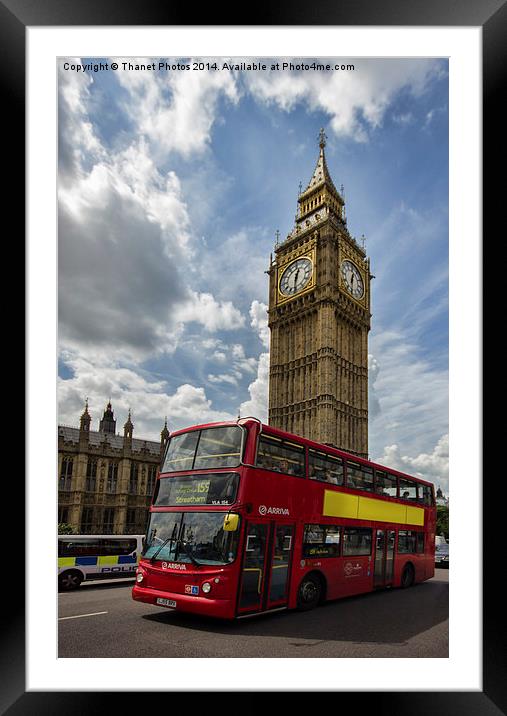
(127, 184)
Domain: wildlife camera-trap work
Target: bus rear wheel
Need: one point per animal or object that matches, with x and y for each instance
(309, 592)
(69, 580)
(407, 577)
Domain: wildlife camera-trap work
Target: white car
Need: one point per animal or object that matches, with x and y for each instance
(442, 555)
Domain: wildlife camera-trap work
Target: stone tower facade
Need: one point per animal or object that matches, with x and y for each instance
(319, 317)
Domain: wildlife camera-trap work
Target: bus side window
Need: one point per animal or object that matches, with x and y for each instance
(408, 490)
(356, 541)
(385, 484)
(359, 476)
(409, 541)
(425, 495)
(281, 456)
(327, 468)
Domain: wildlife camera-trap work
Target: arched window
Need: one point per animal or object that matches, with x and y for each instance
(112, 477)
(91, 475)
(134, 477)
(66, 469)
(152, 474)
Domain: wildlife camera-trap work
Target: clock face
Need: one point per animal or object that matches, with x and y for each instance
(296, 276)
(352, 279)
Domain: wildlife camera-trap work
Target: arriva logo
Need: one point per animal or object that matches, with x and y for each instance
(173, 565)
(263, 510)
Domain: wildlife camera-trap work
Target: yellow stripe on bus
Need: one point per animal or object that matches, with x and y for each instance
(415, 516)
(356, 507)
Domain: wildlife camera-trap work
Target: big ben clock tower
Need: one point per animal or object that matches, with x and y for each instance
(319, 317)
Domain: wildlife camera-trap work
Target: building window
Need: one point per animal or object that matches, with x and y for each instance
(134, 477)
(86, 520)
(63, 515)
(152, 475)
(91, 475)
(112, 477)
(66, 473)
(325, 467)
(131, 522)
(108, 524)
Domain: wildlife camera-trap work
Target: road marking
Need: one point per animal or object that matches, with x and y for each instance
(78, 616)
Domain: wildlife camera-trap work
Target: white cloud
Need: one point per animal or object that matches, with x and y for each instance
(433, 466)
(128, 390)
(211, 314)
(404, 118)
(176, 110)
(412, 394)
(356, 101)
(257, 405)
(125, 244)
(219, 357)
(223, 378)
(259, 321)
(236, 264)
(76, 137)
(373, 401)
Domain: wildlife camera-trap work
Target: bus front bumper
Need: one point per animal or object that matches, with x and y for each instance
(207, 606)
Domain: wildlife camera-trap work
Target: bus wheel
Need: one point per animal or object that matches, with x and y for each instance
(309, 592)
(69, 580)
(407, 578)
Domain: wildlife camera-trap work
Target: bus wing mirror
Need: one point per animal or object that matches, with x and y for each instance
(231, 523)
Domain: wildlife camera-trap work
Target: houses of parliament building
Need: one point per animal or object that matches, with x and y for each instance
(106, 480)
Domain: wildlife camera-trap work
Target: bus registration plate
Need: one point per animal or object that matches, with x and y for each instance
(166, 602)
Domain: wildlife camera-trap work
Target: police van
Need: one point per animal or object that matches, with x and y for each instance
(85, 557)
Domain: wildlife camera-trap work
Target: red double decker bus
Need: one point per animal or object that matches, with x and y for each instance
(248, 519)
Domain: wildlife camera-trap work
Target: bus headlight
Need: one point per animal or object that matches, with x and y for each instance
(139, 577)
(206, 587)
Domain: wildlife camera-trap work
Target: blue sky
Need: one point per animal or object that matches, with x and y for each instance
(171, 188)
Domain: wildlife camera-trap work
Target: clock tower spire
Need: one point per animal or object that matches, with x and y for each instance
(319, 317)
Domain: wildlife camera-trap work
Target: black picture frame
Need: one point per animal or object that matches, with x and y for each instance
(491, 16)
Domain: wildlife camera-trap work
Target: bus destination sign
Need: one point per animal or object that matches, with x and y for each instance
(211, 489)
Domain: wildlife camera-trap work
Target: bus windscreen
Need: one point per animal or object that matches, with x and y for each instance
(204, 449)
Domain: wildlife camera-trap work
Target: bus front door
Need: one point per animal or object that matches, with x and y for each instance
(384, 558)
(281, 555)
(266, 566)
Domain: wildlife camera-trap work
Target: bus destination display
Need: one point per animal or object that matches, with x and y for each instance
(212, 489)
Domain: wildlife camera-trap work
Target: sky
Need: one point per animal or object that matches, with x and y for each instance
(172, 186)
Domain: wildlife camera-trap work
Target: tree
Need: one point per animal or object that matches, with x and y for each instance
(443, 521)
(65, 529)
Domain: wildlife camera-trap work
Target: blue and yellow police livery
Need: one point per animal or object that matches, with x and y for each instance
(87, 557)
